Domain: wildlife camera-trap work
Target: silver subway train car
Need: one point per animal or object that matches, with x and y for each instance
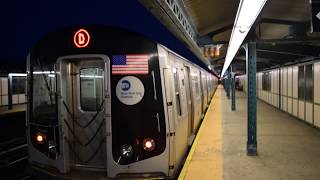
(106, 102)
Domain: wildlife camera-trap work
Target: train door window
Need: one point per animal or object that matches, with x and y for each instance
(91, 88)
(177, 92)
(309, 83)
(196, 84)
(301, 83)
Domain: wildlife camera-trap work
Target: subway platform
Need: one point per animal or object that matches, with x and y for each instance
(15, 109)
(288, 149)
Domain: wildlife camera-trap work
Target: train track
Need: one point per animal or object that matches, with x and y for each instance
(13, 155)
(13, 159)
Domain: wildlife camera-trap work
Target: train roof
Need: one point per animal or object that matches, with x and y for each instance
(103, 40)
(108, 40)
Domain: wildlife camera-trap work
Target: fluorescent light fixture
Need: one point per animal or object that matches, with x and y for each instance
(43, 72)
(248, 12)
(91, 76)
(209, 67)
(18, 74)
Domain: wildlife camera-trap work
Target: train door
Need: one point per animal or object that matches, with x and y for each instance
(177, 112)
(167, 74)
(202, 93)
(208, 87)
(85, 103)
(189, 101)
(181, 123)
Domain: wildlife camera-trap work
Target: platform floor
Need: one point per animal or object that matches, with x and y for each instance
(288, 149)
(15, 108)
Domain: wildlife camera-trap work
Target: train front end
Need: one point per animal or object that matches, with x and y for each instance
(95, 105)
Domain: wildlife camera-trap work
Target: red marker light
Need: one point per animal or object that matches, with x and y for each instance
(149, 144)
(81, 38)
(40, 138)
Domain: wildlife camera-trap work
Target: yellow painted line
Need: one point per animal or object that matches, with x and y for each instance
(194, 145)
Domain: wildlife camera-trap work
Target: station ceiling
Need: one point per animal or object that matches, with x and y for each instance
(210, 16)
(282, 30)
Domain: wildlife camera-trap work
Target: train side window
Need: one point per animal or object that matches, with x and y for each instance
(301, 83)
(309, 83)
(196, 84)
(177, 90)
(91, 88)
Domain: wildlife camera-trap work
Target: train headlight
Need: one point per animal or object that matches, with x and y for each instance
(40, 138)
(149, 144)
(126, 151)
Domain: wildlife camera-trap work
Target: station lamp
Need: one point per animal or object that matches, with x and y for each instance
(17, 74)
(247, 13)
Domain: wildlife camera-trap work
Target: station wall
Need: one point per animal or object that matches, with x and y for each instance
(18, 91)
(293, 89)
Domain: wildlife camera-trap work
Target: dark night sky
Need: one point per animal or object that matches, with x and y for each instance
(25, 22)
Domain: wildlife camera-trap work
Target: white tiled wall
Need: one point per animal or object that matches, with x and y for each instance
(316, 92)
(295, 90)
(16, 99)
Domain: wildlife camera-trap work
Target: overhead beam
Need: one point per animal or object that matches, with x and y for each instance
(207, 38)
(296, 40)
(291, 49)
(262, 20)
(280, 52)
(243, 58)
(212, 61)
(281, 21)
(220, 30)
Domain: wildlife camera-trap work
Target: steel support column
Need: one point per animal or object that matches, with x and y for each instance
(10, 92)
(228, 82)
(251, 54)
(233, 91)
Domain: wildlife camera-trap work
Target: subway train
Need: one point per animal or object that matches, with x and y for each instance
(292, 89)
(104, 102)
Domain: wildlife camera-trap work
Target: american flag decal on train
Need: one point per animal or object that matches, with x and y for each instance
(130, 64)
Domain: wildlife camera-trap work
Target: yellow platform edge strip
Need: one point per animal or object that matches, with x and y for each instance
(194, 144)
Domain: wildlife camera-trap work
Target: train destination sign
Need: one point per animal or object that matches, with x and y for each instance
(130, 90)
(81, 38)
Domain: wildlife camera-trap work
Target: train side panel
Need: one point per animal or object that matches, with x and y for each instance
(204, 91)
(197, 97)
(176, 102)
(186, 88)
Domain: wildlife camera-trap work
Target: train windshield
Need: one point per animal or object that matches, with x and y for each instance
(44, 96)
(91, 88)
